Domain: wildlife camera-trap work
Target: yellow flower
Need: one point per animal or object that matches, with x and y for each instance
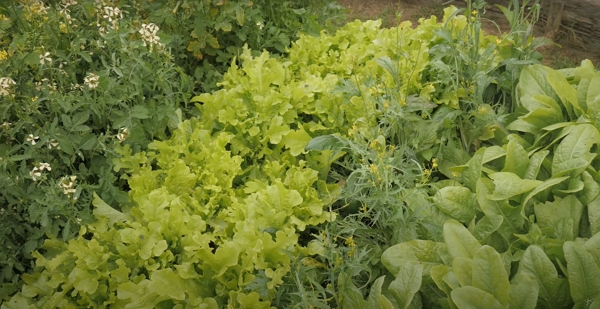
(373, 90)
(474, 12)
(350, 241)
(63, 28)
(434, 163)
(483, 109)
(364, 208)
(386, 104)
(455, 174)
(374, 169)
(3, 55)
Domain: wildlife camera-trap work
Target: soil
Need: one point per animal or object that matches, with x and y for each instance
(569, 51)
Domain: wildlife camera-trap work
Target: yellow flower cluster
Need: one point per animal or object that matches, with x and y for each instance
(3, 55)
(350, 243)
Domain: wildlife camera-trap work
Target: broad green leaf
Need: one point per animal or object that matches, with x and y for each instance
(469, 297)
(591, 188)
(350, 295)
(512, 220)
(593, 209)
(548, 112)
(550, 214)
(458, 202)
(438, 273)
(101, 209)
(536, 264)
(592, 245)
(490, 275)
(327, 142)
(573, 148)
(462, 268)
(422, 251)
(523, 292)
(492, 153)
(583, 272)
(575, 185)
(487, 225)
(459, 241)
(533, 81)
(378, 300)
(566, 93)
(473, 171)
(509, 185)
(517, 159)
(406, 284)
(545, 185)
(593, 96)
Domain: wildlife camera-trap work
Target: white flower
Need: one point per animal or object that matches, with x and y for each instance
(123, 134)
(67, 183)
(6, 125)
(148, 32)
(260, 25)
(68, 3)
(5, 84)
(35, 174)
(91, 80)
(43, 166)
(32, 139)
(45, 58)
(112, 14)
(53, 143)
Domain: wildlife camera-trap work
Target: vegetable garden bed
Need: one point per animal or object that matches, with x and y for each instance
(417, 166)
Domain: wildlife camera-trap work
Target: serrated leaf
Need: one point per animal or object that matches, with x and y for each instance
(166, 282)
(139, 112)
(296, 141)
